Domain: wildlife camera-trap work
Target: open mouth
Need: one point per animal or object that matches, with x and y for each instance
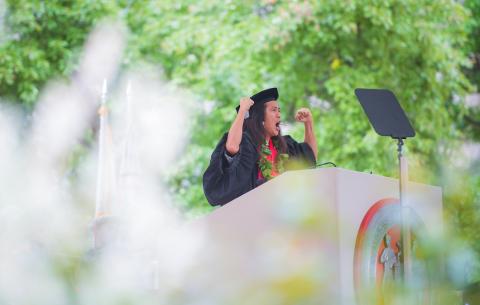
(277, 126)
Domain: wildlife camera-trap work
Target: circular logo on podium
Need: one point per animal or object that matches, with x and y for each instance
(378, 256)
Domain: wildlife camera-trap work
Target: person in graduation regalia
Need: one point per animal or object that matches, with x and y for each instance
(254, 150)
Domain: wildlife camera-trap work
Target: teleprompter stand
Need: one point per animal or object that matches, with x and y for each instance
(388, 119)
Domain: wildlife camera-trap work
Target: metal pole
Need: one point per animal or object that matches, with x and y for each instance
(101, 192)
(406, 233)
(101, 209)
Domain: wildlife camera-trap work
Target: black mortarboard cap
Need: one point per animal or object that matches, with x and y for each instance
(262, 97)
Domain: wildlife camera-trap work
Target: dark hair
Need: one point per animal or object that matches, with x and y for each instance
(254, 126)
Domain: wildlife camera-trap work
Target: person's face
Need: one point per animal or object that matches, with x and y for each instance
(272, 119)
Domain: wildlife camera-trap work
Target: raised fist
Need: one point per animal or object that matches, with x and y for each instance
(246, 103)
(303, 115)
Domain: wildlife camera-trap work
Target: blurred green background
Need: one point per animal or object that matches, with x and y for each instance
(315, 52)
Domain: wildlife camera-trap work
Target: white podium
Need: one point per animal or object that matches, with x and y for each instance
(309, 237)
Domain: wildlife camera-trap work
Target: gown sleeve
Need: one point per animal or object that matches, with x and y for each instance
(300, 152)
(225, 180)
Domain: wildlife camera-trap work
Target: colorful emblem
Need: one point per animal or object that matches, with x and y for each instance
(378, 257)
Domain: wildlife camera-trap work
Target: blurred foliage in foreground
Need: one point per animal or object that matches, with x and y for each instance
(315, 52)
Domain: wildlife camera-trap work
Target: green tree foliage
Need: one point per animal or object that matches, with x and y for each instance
(473, 44)
(315, 52)
(472, 118)
(43, 40)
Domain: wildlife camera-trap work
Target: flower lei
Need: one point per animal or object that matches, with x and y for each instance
(266, 166)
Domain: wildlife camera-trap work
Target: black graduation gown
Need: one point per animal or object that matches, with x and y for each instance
(224, 181)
